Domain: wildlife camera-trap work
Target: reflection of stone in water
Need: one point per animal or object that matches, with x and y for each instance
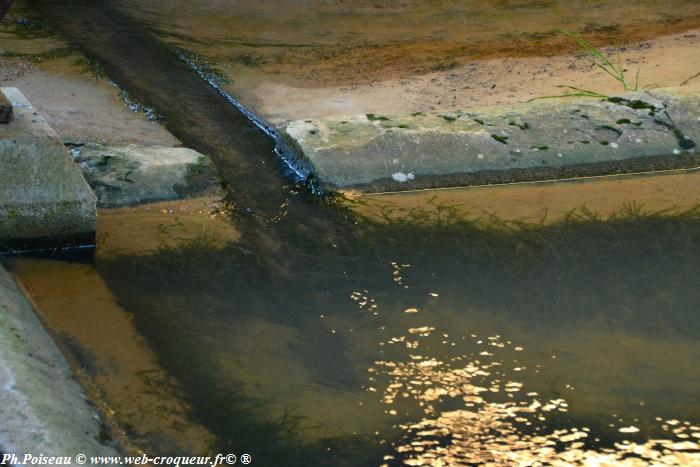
(113, 362)
(499, 425)
(149, 228)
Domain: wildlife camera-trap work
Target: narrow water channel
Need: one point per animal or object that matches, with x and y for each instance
(318, 338)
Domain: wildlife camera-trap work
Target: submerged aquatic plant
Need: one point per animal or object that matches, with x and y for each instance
(599, 59)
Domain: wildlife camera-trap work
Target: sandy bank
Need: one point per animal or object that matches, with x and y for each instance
(80, 106)
(664, 61)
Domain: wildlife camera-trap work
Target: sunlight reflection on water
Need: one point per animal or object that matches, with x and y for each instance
(470, 409)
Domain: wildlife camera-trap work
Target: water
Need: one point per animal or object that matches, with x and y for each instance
(403, 341)
(318, 338)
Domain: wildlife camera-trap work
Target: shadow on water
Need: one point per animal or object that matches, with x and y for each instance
(622, 285)
(320, 339)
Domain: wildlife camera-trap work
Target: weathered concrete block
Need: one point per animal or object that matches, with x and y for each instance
(682, 105)
(5, 109)
(134, 174)
(540, 140)
(44, 200)
(42, 408)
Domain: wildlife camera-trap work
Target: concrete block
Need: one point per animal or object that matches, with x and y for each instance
(44, 200)
(134, 174)
(42, 408)
(540, 140)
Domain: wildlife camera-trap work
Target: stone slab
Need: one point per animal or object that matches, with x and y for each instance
(541, 140)
(43, 410)
(134, 174)
(44, 200)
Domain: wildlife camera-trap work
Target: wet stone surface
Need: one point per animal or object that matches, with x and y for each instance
(543, 139)
(5, 109)
(135, 174)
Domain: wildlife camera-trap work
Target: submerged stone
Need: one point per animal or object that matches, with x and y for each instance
(135, 174)
(540, 140)
(44, 200)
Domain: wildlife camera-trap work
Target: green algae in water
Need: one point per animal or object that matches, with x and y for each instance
(92, 67)
(201, 65)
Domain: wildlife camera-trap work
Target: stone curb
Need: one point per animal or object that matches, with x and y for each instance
(540, 140)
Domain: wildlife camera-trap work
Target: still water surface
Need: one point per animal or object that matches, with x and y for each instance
(417, 343)
(313, 337)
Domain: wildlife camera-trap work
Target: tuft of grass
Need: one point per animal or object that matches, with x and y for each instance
(599, 59)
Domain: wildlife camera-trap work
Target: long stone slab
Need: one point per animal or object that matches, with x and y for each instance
(541, 140)
(43, 410)
(44, 200)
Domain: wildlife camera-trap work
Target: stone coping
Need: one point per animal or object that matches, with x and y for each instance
(539, 140)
